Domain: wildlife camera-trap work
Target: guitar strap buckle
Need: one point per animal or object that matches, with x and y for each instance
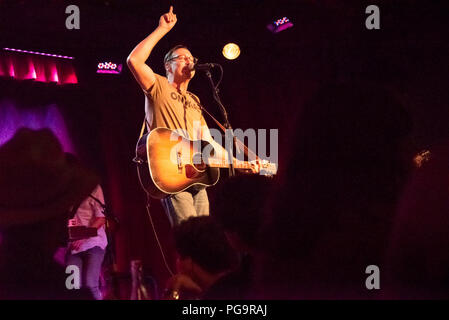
(138, 160)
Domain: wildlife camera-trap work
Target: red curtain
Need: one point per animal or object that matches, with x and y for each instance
(27, 66)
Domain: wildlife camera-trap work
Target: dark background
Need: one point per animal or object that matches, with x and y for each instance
(264, 88)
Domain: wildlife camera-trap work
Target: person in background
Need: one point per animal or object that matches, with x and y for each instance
(88, 253)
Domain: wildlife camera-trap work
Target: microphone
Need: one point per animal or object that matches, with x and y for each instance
(202, 66)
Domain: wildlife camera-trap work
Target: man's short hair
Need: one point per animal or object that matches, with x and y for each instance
(169, 54)
(203, 240)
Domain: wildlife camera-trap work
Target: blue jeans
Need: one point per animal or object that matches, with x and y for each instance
(190, 203)
(89, 263)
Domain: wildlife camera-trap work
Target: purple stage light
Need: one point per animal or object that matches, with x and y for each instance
(109, 67)
(108, 71)
(279, 25)
(13, 117)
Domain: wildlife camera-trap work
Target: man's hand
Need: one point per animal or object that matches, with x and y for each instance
(75, 245)
(255, 166)
(181, 284)
(168, 20)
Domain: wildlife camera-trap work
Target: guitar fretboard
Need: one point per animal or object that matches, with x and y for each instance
(225, 164)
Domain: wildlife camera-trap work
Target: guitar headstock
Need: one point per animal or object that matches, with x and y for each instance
(422, 157)
(267, 168)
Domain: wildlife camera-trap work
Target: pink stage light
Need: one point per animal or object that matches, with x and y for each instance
(71, 78)
(11, 69)
(39, 53)
(54, 75)
(40, 72)
(52, 72)
(31, 74)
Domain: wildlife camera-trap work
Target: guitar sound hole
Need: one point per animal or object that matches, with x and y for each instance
(192, 172)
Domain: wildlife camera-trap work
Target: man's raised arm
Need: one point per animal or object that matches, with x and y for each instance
(137, 58)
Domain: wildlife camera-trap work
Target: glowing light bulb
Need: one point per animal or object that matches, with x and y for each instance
(231, 51)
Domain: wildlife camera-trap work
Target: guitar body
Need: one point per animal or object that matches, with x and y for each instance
(166, 164)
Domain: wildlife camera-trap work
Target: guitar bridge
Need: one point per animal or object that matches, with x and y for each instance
(179, 160)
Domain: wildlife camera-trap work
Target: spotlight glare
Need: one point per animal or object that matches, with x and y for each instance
(231, 51)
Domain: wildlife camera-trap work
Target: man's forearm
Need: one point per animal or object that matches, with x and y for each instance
(143, 50)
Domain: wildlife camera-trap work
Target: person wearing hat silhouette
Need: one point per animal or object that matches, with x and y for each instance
(38, 186)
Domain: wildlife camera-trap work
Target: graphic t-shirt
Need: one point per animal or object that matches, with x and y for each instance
(166, 107)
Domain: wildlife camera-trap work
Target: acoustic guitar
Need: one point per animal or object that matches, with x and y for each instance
(168, 163)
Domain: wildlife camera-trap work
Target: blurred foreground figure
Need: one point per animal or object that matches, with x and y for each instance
(336, 201)
(418, 255)
(239, 207)
(204, 258)
(38, 186)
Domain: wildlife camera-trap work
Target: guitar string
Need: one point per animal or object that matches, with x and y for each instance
(237, 141)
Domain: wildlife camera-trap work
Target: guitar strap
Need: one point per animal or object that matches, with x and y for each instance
(97, 200)
(143, 128)
(75, 208)
(236, 141)
(204, 109)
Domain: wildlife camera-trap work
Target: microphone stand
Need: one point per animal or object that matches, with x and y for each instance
(227, 125)
(110, 247)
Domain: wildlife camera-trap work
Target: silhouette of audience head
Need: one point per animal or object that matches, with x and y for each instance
(239, 206)
(204, 252)
(200, 240)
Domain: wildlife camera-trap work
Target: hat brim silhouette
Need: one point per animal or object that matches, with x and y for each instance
(38, 180)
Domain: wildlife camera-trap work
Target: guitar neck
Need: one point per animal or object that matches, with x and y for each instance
(225, 164)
